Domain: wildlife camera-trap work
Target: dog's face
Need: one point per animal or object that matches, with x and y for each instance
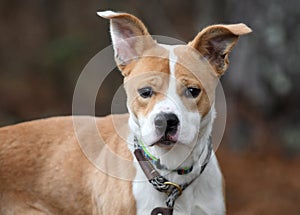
(170, 89)
(166, 97)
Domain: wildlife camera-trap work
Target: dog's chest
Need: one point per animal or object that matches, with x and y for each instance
(147, 198)
(196, 199)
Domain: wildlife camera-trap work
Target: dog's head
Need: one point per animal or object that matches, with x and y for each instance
(170, 89)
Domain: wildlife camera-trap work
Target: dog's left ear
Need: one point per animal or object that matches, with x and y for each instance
(215, 43)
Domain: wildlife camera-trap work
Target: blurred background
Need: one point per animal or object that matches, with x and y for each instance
(45, 44)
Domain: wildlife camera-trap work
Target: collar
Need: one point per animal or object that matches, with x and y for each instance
(156, 161)
(160, 183)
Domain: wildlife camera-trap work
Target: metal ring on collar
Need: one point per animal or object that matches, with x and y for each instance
(175, 185)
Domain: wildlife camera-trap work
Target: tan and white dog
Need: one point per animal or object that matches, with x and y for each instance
(170, 88)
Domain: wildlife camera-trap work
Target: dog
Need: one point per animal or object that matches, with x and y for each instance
(157, 159)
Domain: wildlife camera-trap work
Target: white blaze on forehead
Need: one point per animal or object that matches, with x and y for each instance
(172, 60)
(171, 101)
(172, 57)
(172, 63)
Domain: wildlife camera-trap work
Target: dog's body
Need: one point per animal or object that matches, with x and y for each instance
(47, 173)
(170, 90)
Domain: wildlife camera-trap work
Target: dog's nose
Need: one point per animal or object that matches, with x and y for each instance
(166, 123)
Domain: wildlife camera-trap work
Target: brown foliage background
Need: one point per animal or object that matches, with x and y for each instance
(45, 44)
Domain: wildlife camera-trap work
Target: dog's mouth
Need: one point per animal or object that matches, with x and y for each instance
(165, 141)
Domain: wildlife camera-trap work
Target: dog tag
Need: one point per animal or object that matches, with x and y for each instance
(162, 211)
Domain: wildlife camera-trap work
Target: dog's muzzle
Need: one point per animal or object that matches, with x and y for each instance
(166, 125)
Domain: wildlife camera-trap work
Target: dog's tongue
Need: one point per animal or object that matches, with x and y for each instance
(171, 138)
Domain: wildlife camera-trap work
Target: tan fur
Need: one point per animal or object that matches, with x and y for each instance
(148, 71)
(44, 171)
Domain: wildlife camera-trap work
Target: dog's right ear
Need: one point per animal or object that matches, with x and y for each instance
(129, 35)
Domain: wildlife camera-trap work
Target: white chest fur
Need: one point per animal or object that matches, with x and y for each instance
(203, 196)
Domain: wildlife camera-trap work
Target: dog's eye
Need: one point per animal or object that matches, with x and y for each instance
(145, 92)
(192, 92)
